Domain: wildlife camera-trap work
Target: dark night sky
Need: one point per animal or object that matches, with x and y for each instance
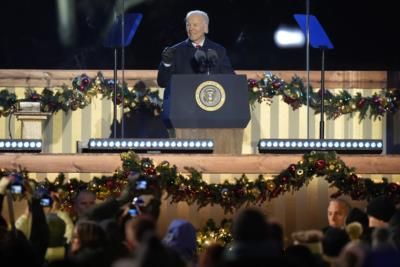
(363, 33)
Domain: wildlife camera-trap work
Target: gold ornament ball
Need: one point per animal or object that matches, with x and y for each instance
(271, 185)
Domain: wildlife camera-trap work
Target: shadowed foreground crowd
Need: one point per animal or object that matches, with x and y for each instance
(115, 233)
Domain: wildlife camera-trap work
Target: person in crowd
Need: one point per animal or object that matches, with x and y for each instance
(334, 240)
(196, 54)
(337, 212)
(394, 227)
(312, 239)
(4, 182)
(83, 201)
(136, 230)
(299, 256)
(353, 254)
(181, 237)
(355, 216)
(252, 243)
(380, 210)
(153, 253)
(60, 226)
(382, 239)
(211, 256)
(88, 245)
(17, 249)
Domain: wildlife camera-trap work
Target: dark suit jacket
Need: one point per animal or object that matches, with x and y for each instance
(184, 62)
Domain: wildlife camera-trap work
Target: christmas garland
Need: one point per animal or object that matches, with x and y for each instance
(293, 93)
(192, 189)
(81, 93)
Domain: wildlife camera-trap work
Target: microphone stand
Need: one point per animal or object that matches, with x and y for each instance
(122, 68)
(115, 84)
(115, 120)
(322, 119)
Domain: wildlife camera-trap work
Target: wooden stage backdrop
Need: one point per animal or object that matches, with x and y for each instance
(303, 210)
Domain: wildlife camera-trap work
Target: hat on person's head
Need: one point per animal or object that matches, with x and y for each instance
(382, 208)
(181, 237)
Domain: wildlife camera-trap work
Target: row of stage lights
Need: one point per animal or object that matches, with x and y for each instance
(345, 146)
(170, 145)
(303, 145)
(28, 145)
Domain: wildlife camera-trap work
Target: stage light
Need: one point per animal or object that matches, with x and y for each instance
(289, 37)
(149, 145)
(343, 146)
(20, 145)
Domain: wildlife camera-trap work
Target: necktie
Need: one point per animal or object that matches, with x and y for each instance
(198, 46)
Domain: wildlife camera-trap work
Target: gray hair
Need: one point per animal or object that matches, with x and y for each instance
(200, 13)
(342, 201)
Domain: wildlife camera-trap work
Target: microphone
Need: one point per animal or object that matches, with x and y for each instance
(201, 59)
(212, 57)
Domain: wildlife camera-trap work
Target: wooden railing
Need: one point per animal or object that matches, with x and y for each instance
(51, 78)
(206, 163)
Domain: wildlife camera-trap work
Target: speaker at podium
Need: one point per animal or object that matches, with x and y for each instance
(208, 106)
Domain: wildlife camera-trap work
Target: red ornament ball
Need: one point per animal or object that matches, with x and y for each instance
(320, 164)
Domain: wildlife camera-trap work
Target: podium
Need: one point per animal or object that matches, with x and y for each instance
(31, 119)
(208, 106)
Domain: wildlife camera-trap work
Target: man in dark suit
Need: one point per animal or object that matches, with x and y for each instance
(197, 54)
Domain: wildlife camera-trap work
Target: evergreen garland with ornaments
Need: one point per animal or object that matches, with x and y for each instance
(189, 186)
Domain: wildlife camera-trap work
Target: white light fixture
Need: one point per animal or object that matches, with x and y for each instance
(20, 145)
(344, 146)
(148, 145)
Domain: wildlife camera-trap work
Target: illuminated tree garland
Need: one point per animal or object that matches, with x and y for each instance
(293, 93)
(192, 189)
